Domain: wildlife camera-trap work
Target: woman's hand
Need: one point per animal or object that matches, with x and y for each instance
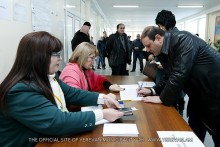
(152, 99)
(110, 101)
(111, 114)
(116, 87)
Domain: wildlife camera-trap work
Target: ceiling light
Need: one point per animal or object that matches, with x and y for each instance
(190, 6)
(70, 6)
(121, 6)
(123, 20)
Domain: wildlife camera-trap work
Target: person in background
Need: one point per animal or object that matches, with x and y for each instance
(33, 100)
(166, 21)
(101, 48)
(189, 64)
(137, 48)
(77, 73)
(105, 38)
(91, 41)
(130, 46)
(117, 48)
(81, 35)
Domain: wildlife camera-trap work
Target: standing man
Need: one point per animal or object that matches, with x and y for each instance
(101, 48)
(81, 36)
(105, 38)
(192, 65)
(117, 48)
(137, 48)
(166, 21)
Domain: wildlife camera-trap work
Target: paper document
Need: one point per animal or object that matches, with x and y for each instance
(130, 92)
(120, 129)
(146, 84)
(179, 139)
(91, 108)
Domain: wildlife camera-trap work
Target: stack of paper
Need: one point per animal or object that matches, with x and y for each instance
(120, 129)
(179, 138)
(130, 92)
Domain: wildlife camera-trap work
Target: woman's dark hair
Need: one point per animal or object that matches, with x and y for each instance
(166, 18)
(32, 64)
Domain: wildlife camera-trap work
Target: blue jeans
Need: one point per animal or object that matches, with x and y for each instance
(100, 61)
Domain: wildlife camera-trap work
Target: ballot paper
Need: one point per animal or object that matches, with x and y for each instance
(146, 84)
(120, 129)
(130, 93)
(179, 139)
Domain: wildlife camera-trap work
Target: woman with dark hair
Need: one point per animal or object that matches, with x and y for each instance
(33, 99)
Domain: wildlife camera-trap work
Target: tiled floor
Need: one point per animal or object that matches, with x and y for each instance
(107, 71)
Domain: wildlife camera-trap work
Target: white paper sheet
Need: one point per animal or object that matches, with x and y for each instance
(120, 129)
(179, 139)
(130, 93)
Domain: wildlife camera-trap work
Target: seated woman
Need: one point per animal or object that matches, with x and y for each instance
(78, 73)
(33, 100)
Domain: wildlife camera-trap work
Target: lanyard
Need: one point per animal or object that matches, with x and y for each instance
(56, 97)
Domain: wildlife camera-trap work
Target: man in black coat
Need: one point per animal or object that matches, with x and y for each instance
(137, 48)
(81, 35)
(117, 48)
(190, 64)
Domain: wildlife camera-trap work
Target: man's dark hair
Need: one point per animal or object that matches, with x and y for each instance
(87, 23)
(151, 32)
(166, 18)
(119, 25)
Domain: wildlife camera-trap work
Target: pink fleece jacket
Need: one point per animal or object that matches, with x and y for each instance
(74, 76)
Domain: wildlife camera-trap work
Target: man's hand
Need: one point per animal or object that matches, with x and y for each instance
(152, 99)
(144, 92)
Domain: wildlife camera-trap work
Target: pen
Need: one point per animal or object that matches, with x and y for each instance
(140, 87)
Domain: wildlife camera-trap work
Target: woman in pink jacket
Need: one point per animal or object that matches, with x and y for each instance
(77, 73)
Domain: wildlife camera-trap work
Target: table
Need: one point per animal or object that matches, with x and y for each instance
(149, 119)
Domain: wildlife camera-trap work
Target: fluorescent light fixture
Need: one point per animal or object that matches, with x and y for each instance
(70, 6)
(121, 6)
(123, 20)
(190, 6)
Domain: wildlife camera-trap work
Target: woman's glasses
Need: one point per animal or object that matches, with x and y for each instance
(92, 58)
(56, 54)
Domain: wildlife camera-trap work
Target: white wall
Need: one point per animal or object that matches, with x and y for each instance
(12, 31)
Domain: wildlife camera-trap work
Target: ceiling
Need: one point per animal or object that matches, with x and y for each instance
(137, 18)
